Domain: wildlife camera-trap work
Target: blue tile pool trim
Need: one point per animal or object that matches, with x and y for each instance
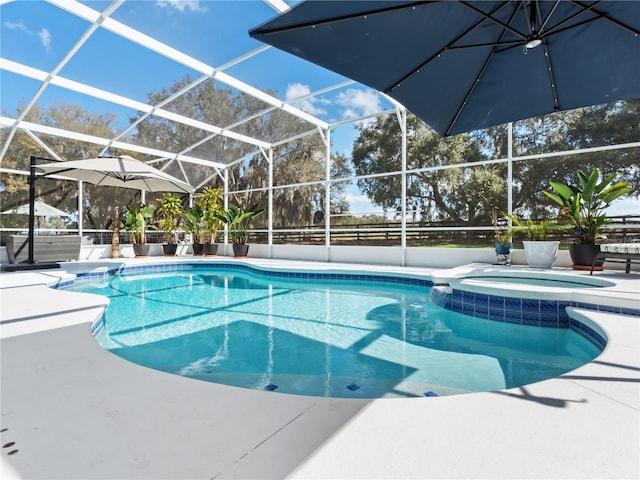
(63, 285)
(97, 326)
(306, 275)
(524, 311)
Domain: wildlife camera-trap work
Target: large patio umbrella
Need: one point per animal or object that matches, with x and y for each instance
(121, 171)
(466, 65)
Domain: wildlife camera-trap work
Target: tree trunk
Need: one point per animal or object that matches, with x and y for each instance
(115, 239)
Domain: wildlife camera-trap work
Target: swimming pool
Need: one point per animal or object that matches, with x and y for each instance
(357, 336)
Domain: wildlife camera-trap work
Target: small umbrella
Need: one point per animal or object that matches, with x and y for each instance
(121, 171)
(466, 65)
(41, 209)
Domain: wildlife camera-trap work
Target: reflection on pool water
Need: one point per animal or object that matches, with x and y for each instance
(326, 337)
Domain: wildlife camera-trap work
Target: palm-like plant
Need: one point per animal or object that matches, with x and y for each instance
(534, 231)
(169, 212)
(136, 223)
(211, 203)
(238, 221)
(586, 203)
(194, 223)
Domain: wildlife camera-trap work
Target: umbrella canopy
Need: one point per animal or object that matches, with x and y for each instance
(466, 65)
(121, 171)
(41, 209)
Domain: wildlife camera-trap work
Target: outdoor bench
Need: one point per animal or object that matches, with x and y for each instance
(618, 253)
(46, 248)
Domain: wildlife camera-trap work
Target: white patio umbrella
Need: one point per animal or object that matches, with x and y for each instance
(121, 171)
(41, 209)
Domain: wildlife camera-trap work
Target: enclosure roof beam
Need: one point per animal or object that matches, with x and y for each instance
(291, 101)
(124, 101)
(154, 45)
(362, 118)
(6, 121)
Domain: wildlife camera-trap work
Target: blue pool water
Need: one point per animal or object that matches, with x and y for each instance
(337, 338)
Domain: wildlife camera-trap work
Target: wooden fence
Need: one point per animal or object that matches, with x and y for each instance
(622, 229)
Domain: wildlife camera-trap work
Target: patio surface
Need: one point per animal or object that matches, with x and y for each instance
(76, 411)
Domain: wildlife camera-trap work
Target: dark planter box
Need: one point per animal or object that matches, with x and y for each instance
(141, 250)
(582, 254)
(210, 249)
(170, 249)
(240, 250)
(198, 248)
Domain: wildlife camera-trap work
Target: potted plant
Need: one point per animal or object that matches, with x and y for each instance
(502, 236)
(194, 223)
(169, 213)
(585, 205)
(539, 252)
(211, 203)
(136, 223)
(237, 220)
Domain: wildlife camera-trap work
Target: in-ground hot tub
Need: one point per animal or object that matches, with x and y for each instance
(526, 283)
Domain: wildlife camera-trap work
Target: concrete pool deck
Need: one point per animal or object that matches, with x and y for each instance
(73, 410)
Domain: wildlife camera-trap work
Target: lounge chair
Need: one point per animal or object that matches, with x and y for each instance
(627, 253)
(46, 248)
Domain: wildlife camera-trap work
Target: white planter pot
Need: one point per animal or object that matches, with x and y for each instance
(541, 254)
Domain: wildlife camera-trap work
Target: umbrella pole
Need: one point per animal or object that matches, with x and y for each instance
(32, 205)
(31, 264)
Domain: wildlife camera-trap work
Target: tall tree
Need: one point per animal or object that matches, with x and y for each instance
(299, 161)
(596, 126)
(461, 195)
(465, 195)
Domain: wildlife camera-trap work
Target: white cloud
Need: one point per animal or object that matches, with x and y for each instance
(18, 26)
(44, 35)
(45, 38)
(308, 105)
(181, 5)
(358, 103)
(625, 206)
(351, 198)
(361, 205)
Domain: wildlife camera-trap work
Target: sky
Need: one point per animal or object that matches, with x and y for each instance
(40, 34)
